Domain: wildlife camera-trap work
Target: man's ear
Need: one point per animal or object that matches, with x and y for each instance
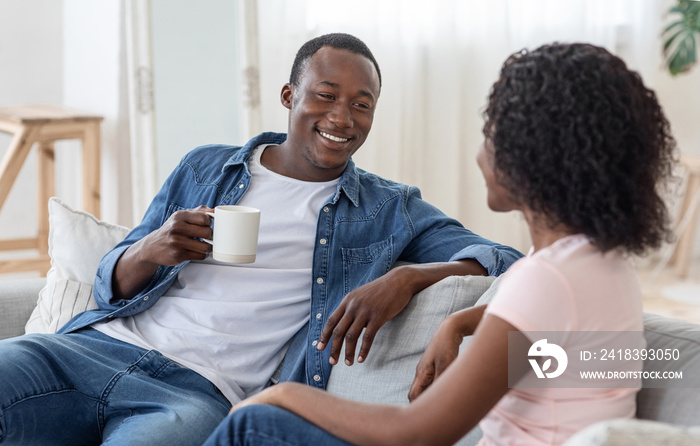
(286, 96)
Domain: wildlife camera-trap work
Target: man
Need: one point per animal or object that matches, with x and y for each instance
(179, 337)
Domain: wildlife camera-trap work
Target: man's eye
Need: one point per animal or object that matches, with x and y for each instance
(326, 95)
(362, 105)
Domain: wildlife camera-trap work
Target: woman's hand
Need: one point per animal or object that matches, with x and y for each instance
(444, 348)
(267, 396)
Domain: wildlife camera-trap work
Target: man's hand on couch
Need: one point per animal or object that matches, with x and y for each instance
(373, 304)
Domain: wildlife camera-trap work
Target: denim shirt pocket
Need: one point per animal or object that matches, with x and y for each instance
(363, 265)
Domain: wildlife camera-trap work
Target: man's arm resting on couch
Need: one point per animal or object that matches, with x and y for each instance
(371, 305)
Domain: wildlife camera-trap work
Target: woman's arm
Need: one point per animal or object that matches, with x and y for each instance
(445, 412)
(444, 347)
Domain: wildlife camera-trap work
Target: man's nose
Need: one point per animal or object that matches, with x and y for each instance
(341, 116)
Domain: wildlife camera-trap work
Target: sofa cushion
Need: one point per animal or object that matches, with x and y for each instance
(387, 373)
(17, 300)
(672, 403)
(77, 243)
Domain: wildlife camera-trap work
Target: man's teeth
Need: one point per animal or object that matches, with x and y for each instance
(333, 138)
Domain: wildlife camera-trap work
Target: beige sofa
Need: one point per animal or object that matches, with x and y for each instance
(669, 417)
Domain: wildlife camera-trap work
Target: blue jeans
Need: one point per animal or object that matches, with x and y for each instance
(262, 425)
(86, 388)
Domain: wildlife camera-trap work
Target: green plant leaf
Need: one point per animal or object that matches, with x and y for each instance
(679, 44)
(672, 39)
(683, 57)
(692, 56)
(671, 25)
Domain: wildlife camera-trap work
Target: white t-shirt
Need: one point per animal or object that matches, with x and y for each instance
(569, 286)
(232, 323)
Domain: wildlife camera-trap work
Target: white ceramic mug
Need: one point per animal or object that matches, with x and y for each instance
(235, 237)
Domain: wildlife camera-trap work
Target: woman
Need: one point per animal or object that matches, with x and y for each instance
(578, 144)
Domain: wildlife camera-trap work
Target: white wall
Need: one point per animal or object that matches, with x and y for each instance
(71, 52)
(31, 71)
(95, 80)
(680, 97)
(68, 53)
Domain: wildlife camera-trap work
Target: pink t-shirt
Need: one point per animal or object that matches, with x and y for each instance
(568, 286)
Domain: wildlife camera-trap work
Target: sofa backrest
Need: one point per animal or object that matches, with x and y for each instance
(671, 404)
(387, 373)
(399, 344)
(18, 299)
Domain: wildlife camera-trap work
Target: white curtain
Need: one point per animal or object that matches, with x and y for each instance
(438, 60)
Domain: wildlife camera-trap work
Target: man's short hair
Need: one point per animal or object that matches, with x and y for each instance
(335, 40)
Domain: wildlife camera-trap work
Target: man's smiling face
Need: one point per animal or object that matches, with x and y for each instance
(331, 111)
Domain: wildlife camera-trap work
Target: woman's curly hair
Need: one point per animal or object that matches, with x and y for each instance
(579, 138)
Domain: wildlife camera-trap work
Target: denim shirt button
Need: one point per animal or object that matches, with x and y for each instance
(145, 298)
(314, 343)
(323, 241)
(325, 209)
(318, 316)
(241, 186)
(319, 280)
(317, 378)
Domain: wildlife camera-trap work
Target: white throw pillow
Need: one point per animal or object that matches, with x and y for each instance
(77, 243)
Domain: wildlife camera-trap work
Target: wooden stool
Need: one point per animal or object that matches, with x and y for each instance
(688, 215)
(45, 124)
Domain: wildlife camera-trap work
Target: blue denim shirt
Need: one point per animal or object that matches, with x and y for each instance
(369, 224)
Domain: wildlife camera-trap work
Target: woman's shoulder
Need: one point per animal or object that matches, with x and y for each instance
(569, 282)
